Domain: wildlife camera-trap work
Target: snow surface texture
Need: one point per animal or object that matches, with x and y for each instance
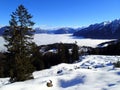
(92, 72)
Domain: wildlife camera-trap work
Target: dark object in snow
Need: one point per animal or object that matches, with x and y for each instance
(59, 72)
(117, 64)
(49, 84)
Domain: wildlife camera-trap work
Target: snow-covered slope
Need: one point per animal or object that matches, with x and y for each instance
(92, 73)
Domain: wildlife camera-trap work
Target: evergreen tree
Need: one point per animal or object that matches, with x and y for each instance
(63, 53)
(67, 54)
(1, 65)
(75, 54)
(117, 64)
(1, 69)
(18, 37)
(37, 58)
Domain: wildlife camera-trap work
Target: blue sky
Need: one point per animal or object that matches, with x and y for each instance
(63, 13)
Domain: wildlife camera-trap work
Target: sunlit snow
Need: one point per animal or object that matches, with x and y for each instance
(101, 75)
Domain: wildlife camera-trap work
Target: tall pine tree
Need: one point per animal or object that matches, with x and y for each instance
(18, 37)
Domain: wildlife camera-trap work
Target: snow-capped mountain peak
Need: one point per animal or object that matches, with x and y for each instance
(104, 30)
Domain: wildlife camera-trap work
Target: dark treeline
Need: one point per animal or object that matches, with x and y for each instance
(43, 58)
(113, 48)
(46, 56)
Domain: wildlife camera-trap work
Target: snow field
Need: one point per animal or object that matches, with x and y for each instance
(101, 75)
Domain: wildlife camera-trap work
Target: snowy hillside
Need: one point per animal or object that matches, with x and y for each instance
(91, 73)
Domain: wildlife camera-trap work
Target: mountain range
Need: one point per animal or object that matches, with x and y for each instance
(64, 30)
(104, 30)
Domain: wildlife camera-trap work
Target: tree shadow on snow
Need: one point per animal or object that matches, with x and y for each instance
(74, 81)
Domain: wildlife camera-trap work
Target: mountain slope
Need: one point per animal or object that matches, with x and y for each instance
(2, 29)
(64, 30)
(104, 30)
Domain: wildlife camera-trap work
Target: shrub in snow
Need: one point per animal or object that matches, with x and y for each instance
(49, 84)
(117, 64)
(76, 67)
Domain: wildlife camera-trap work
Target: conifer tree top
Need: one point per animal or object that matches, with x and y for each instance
(21, 17)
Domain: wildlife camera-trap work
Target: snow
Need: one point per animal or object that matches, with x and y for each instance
(106, 23)
(2, 42)
(92, 72)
